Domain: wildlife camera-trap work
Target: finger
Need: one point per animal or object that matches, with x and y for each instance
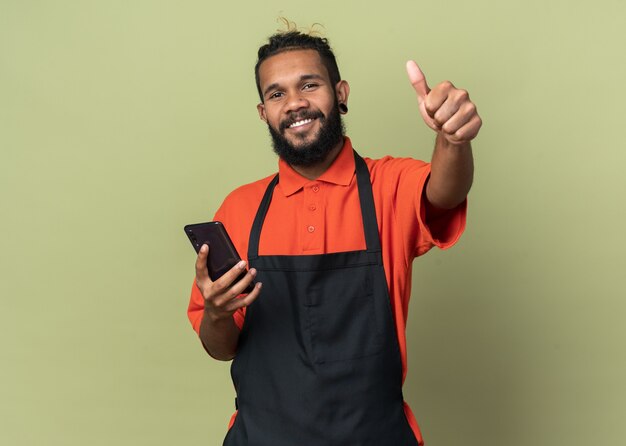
(234, 290)
(444, 113)
(437, 97)
(202, 273)
(418, 80)
(461, 117)
(468, 131)
(240, 286)
(224, 283)
(246, 300)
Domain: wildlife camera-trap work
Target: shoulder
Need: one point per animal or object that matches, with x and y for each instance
(388, 173)
(389, 164)
(238, 210)
(240, 206)
(245, 195)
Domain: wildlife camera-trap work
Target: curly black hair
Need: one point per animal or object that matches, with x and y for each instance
(296, 40)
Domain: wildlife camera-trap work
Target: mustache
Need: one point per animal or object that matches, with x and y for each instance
(295, 117)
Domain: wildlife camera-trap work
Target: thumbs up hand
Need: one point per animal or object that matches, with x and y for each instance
(445, 109)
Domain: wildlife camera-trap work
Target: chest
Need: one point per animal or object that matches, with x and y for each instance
(319, 218)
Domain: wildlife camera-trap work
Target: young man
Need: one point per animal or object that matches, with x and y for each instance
(319, 344)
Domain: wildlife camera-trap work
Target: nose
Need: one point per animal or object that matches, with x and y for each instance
(296, 102)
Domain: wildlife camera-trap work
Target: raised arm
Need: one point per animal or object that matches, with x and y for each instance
(449, 112)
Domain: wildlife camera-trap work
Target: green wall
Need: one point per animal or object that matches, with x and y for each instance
(121, 121)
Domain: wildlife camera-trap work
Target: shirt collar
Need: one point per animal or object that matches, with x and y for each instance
(340, 172)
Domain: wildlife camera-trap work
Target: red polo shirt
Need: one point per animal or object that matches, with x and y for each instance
(324, 216)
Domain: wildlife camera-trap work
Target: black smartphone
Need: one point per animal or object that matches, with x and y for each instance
(222, 253)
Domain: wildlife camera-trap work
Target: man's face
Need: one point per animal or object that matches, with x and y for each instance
(300, 106)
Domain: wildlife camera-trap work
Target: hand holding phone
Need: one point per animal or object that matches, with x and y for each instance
(221, 275)
(222, 255)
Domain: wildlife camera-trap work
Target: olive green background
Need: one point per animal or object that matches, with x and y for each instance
(121, 121)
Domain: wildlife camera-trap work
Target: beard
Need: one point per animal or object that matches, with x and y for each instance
(330, 134)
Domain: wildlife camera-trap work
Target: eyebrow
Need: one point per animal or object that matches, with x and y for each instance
(304, 77)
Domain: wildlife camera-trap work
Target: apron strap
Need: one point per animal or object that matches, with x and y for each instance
(368, 212)
(255, 233)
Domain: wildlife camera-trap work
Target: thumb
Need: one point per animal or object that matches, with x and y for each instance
(418, 80)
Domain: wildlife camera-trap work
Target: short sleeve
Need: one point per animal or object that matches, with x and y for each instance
(195, 310)
(401, 183)
(444, 230)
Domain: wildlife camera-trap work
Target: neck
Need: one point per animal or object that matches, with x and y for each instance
(314, 171)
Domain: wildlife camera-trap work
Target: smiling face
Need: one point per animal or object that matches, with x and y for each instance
(300, 106)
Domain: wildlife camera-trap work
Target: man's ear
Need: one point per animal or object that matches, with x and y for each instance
(261, 109)
(342, 89)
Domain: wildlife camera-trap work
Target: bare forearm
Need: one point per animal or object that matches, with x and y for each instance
(219, 337)
(452, 173)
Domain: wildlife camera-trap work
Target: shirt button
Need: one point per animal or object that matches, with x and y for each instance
(315, 188)
(311, 228)
(312, 207)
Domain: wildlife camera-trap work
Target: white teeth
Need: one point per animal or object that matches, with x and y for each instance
(299, 123)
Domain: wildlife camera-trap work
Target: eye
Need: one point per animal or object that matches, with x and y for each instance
(276, 95)
(309, 86)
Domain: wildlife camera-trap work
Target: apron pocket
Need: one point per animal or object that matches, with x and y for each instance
(341, 318)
